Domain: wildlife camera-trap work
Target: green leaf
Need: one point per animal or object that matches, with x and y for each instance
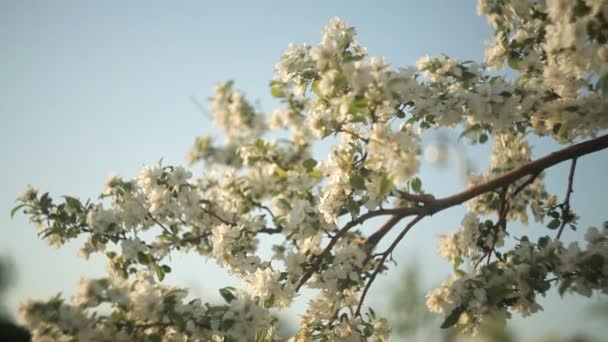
(117, 316)
(453, 317)
(416, 184)
(226, 324)
(357, 182)
(603, 84)
(581, 9)
(15, 209)
(457, 262)
(72, 202)
(309, 164)
(228, 85)
(386, 185)
(285, 203)
(315, 88)
(282, 174)
(564, 285)
(513, 61)
(142, 258)
(353, 207)
(483, 138)
(160, 273)
(557, 127)
(228, 294)
(55, 302)
(372, 314)
(359, 106)
(166, 268)
(554, 224)
(268, 303)
(45, 202)
(563, 132)
(543, 241)
(276, 89)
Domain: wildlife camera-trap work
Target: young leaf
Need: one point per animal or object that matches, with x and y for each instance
(453, 317)
(315, 88)
(554, 224)
(386, 186)
(228, 294)
(483, 138)
(513, 61)
(353, 207)
(357, 182)
(416, 184)
(15, 209)
(457, 262)
(143, 258)
(72, 202)
(160, 273)
(275, 90)
(309, 164)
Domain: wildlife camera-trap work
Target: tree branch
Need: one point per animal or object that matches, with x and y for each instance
(373, 239)
(530, 168)
(431, 206)
(319, 258)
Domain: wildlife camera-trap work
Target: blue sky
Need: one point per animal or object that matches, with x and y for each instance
(89, 88)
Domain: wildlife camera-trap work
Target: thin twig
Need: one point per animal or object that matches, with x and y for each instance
(162, 226)
(270, 230)
(219, 218)
(529, 181)
(503, 209)
(385, 255)
(372, 241)
(200, 107)
(501, 224)
(355, 135)
(566, 207)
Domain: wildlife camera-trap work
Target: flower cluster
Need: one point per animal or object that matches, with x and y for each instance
(514, 281)
(142, 309)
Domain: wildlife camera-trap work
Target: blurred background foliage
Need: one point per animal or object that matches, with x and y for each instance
(9, 331)
(5, 276)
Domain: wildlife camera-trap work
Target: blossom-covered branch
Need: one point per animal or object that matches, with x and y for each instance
(319, 208)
